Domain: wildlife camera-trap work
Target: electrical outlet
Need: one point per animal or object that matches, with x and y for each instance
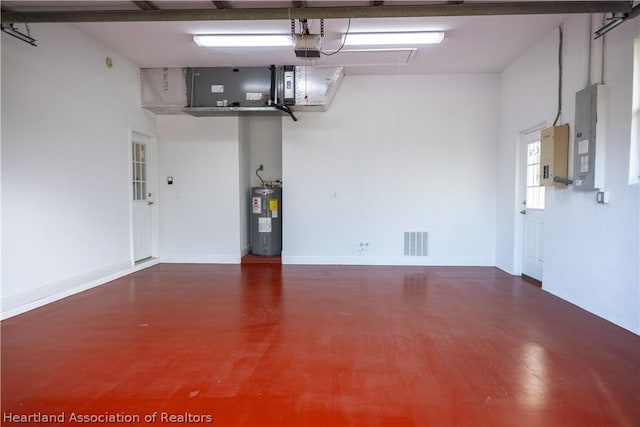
(602, 197)
(363, 246)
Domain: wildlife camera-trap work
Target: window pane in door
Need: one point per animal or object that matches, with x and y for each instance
(535, 193)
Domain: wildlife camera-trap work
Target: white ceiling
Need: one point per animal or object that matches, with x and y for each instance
(471, 45)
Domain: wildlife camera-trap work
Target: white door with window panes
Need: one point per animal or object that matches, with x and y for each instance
(532, 208)
(142, 201)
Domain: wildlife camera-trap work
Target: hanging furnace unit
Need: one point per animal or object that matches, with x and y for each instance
(266, 220)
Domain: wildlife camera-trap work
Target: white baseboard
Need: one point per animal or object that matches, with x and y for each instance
(399, 261)
(202, 259)
(21, 303)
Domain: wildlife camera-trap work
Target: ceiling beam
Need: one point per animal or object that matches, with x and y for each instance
(400, 11)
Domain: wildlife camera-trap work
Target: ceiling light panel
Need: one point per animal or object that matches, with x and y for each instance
(242, 40)
(395, 39)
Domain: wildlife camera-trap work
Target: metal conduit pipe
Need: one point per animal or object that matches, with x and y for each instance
(401, 11)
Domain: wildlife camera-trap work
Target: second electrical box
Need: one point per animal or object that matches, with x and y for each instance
(554, 154)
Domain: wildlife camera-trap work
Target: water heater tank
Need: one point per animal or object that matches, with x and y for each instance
(266, 221)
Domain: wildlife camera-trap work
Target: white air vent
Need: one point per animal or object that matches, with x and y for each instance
(416, 243)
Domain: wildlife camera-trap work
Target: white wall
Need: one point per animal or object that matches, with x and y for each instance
(1, 311)
(200, 213)
(261, 144)
(591, 251)
(66, 121)
(265, 138)
(244, 184)
(528, 98)
(394, 154)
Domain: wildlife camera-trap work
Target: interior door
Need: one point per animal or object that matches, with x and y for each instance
(532, 209)
(142, 202)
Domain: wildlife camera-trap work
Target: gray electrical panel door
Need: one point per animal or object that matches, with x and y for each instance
(228, 87)
(588, 153)
(266, 221)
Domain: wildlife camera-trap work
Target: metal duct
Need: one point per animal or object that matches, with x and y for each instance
(316, 87)
(163, 90)
(399, 11)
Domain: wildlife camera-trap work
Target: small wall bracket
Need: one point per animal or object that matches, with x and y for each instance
(12, 31)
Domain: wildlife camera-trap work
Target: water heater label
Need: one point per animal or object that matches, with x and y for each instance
(264, 225)
(273, 204)
(257, 205)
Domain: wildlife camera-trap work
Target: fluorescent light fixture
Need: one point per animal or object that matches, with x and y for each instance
(381, 49)
(242, 40)
(404, 38)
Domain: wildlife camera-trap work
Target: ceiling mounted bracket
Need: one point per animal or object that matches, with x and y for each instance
(617, 19)
(9, 28)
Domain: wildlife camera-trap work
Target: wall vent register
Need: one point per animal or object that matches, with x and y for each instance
(416, 243)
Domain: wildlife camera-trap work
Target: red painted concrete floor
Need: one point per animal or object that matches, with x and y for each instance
(269, 345)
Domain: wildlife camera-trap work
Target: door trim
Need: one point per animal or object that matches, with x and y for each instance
(521, 178)
(152, 181)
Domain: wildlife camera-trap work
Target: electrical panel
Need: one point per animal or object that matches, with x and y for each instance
(554, 154)
(589, 146)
